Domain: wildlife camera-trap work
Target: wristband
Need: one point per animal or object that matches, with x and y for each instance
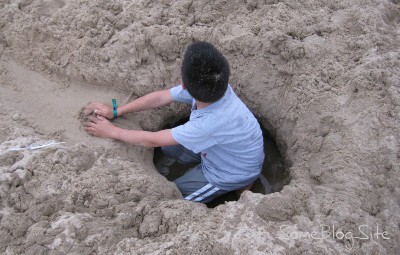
(114, 104)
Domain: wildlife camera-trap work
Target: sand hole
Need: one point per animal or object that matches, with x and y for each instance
(273, 178)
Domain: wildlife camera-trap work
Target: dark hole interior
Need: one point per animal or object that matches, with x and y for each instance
(272, 179)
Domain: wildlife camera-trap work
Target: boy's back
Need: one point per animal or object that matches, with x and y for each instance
(228, 137)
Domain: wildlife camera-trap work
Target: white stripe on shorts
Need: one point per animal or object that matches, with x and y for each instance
(207, 194)
(198, 192)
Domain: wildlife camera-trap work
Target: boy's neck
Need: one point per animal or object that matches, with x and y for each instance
(201, 105)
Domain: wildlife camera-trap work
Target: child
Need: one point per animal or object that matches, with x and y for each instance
(222, 135)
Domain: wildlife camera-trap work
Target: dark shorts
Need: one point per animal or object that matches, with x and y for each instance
(193, 184)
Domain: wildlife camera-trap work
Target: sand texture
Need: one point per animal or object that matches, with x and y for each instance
(322, 76)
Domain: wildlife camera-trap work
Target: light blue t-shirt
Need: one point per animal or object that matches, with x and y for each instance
(228, 137)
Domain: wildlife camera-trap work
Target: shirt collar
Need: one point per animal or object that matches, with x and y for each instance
(214, 105)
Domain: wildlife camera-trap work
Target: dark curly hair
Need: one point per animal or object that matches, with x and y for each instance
(205, 72)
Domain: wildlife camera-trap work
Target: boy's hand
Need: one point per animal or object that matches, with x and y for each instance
(100, 127)
(101, 109)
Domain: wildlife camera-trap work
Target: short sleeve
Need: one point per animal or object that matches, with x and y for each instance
(192, 136)
(181, 95)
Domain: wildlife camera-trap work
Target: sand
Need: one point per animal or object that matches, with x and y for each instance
(323, 77)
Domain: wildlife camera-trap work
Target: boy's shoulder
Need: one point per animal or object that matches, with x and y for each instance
(229, 110)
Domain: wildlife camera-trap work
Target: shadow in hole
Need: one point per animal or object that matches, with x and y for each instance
(272, 179)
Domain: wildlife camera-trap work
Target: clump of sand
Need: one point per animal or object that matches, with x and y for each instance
(323, 76)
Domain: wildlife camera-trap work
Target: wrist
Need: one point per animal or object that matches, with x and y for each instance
(115, 133)
(120, 111)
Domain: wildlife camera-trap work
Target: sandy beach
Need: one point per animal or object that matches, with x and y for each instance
(322, 76)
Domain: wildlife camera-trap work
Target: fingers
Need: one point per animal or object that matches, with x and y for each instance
(88, 111)
(96, 118)
(89, 108)
(92, 107)
(90, 128)
(89, 124)
(91, 131)
(99, 113)
(101, 117)
(93, 119)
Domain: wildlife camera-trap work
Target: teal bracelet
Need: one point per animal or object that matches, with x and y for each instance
(114, 103)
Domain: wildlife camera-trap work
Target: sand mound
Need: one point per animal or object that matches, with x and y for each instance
(323, 76)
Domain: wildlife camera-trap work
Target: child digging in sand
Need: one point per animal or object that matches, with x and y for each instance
(222, 136)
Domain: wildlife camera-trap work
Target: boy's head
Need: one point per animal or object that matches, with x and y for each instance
(205, 72)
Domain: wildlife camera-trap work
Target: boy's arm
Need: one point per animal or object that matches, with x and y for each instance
(101, 127)
(149, 101)
(146, 138)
